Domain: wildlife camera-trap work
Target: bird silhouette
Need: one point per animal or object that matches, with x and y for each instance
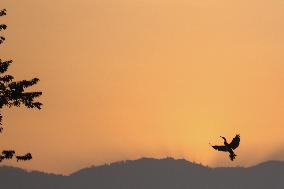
(229, 147)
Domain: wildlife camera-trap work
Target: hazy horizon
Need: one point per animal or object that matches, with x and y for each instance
(133, 78)
(136, 160)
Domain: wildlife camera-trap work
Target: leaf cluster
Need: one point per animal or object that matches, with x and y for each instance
(14, 94)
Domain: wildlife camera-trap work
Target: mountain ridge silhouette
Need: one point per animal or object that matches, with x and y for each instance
(150, 173)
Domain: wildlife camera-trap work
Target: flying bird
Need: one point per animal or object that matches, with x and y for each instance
(229, 147)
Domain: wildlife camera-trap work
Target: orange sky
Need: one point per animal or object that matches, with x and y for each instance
(131, 78)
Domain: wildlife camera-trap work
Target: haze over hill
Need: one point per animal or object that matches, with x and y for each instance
(148, 173)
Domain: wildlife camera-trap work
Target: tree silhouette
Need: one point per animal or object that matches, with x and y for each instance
(13, 94)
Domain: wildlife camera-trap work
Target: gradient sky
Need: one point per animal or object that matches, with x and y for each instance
(124, 79)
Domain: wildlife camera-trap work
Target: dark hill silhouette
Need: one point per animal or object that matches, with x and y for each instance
(148, 173)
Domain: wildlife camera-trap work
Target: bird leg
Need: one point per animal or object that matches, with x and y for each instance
(232, 156)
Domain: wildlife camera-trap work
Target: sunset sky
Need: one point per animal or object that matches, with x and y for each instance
(124, 79)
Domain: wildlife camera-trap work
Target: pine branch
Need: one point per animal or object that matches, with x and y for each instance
(2, 39)
(3, 12)
(3, 27)
(4, 65)
(12, 94)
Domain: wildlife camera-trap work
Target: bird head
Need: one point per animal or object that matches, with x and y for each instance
(223, 137)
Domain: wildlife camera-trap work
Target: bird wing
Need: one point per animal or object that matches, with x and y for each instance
(220, 148)
(235, 142)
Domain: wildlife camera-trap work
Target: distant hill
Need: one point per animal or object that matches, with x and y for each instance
(148, 173)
